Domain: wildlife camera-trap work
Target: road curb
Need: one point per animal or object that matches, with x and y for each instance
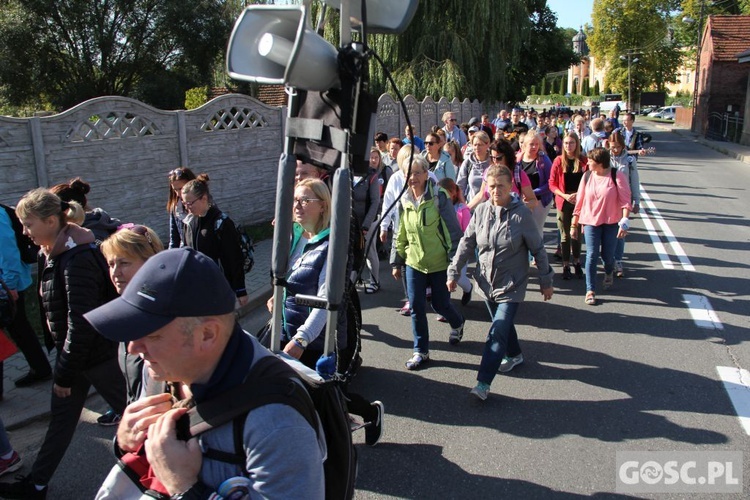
(715, 145)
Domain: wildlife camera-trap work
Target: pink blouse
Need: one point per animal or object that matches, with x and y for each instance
(600, 201)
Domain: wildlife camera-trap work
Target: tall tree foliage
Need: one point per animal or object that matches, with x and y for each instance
(642, 28)
(72, 50)
(480, 49)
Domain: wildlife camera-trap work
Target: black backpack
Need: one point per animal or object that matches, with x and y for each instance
(246, 243)
(26, 247)
(273, 381)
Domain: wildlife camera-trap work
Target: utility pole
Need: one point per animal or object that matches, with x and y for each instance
(631, 60)
(698, 43)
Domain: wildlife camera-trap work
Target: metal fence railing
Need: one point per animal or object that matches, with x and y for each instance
(725, 127)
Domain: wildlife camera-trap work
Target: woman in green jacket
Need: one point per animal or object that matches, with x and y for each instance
(428, 236)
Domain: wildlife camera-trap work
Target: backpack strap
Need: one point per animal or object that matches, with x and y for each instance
(517, 177)
(279, 385)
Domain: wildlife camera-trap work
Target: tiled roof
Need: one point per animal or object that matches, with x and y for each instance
(730, 36)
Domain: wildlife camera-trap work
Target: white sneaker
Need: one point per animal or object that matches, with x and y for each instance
(507, 364)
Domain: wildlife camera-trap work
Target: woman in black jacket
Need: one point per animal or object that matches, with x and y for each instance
(73, 280)
(212, 232)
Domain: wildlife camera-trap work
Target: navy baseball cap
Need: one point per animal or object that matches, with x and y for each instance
(175, 283)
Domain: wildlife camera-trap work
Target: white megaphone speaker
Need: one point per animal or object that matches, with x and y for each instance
(383, 16)
(273, 45)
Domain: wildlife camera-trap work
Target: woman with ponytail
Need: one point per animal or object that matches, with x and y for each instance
(212, 232)
(73, 280)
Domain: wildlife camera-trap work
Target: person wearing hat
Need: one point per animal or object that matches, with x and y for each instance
(177, 313)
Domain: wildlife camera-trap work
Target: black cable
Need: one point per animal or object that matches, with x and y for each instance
(372, 53)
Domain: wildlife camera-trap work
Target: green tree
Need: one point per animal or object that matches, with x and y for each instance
(68, 51)
(639, 28)
(543, 86)
(585, 90)
(563, 88)
(481, 49)
(596, 91)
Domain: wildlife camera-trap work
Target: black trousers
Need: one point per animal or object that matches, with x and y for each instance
(65, 412)
(26, 340)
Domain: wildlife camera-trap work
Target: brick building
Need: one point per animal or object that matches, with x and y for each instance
(723, 81)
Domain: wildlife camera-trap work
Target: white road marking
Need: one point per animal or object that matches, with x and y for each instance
(703, 314)
(676, 247)
(658, 246)
(737, 384)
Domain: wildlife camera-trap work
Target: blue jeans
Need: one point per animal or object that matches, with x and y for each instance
(502, 339)
(619, 249)
(604, 236)
(416, 284)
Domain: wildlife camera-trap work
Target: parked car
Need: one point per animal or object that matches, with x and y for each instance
(648, 109)
(665, 113)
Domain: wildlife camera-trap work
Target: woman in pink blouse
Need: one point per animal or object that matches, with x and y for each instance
(602, 207)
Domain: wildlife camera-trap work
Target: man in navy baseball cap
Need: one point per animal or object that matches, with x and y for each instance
(172, 284)
(177, 314)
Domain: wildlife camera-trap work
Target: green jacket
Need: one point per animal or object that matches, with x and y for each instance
(428, 232)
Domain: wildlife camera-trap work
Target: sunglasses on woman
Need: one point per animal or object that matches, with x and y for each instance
(140, 230)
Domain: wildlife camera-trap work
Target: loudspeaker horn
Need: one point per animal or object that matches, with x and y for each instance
(273, 45)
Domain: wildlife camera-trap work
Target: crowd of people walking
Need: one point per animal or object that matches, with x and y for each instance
(467, 196)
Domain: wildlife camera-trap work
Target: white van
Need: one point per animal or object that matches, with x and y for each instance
(606, 106)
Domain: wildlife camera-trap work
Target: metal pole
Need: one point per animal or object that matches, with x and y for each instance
(697, 65)
(630, 86)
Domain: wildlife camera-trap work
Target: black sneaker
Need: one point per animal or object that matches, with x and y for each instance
(109, 419)
(466, 297)
(566, 273)
(579, 271)
(374, 429)
(456, 334)
(24, 489)
(32, 378)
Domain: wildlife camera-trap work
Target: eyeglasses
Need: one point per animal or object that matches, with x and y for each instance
(496, 158)
(190, 204)
(430, 143)
(140, 230)
(452, 120)
(303, 202)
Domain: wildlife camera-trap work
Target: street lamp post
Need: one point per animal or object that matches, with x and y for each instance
(631, 61)
(698, 42)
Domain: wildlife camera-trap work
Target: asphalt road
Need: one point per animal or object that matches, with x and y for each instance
(635, 373)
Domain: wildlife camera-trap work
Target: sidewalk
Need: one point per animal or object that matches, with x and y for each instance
(731, 149)
(19, 407)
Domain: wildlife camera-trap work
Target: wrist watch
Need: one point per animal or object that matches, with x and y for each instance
(300, 341)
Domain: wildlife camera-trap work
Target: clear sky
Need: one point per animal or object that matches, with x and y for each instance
(571, 13)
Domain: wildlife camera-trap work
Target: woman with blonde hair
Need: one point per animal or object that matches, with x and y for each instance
(566, 175)
(126, 251)
(537, 165)
(428, 235)
(72, 281)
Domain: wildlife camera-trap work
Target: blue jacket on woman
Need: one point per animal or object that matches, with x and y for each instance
(15, 273)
